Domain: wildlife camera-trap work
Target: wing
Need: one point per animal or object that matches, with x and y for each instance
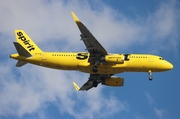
(93, 81)
(96, 51)
(92, 45)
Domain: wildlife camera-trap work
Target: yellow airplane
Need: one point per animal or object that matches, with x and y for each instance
(100, 64)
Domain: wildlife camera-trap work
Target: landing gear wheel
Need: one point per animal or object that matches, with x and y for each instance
(150, 78)
(95, 84)
(95, 69)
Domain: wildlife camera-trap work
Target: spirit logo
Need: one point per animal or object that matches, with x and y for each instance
(25, 41)
(82, 56)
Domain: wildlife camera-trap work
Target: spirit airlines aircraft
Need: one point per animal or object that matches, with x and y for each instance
(100, 64)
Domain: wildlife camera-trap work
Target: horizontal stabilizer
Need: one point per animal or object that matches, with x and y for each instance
(21, 50)
(20, 63)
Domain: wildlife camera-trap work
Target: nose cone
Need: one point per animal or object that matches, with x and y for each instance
(169, 66)
(165, 65)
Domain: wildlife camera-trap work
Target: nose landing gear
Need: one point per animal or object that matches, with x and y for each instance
(150, 75)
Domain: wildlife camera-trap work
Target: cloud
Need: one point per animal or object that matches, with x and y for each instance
(28, 89)
(150, 100)
(36, 86)
(50, 22)
(163, 26)
(160, 113)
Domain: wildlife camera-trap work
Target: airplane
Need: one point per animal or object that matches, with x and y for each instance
(100, 64)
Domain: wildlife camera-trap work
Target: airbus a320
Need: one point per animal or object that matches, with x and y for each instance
(100, 64)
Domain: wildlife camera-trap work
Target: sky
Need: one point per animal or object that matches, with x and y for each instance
(133, 26)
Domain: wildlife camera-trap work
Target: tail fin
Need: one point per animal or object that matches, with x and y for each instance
(25, 43)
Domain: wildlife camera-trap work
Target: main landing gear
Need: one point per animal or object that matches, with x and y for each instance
(95, 83)
(95, 68)
(150, 75)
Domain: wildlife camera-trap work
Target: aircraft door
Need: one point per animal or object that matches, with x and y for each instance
(44, 56)
(151, 59)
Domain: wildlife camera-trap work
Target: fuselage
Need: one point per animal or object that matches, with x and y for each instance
(79, 61)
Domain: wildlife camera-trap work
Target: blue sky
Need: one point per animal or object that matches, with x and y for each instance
(134, 26)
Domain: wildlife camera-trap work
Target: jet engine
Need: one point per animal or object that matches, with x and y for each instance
(113, 81)
(115, 58)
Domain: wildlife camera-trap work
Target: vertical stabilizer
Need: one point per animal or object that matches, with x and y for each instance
(25, 41)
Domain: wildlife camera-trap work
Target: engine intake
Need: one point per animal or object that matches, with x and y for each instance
(115, 58)
(113, 81)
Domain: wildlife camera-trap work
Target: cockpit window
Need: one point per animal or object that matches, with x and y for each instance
(161, 58)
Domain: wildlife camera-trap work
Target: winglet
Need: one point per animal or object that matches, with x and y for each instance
(75, 17)
(76, 86)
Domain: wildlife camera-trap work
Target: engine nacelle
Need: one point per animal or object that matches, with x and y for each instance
(115, 58)
(113, 81)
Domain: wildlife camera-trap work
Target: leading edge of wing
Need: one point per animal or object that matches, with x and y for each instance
(91, 43)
